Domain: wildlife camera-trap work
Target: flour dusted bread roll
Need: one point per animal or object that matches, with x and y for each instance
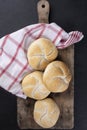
(46, 113)
(57, 76)
(33, 86)
(40, 53)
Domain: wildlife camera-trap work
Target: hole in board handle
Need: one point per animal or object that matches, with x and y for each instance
(43, 6)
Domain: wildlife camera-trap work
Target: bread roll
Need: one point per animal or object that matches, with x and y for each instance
(34, 87)
(46, 113)
(57, 76)
(40, 53)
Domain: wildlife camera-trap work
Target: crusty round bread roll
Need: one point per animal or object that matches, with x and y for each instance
(33, 86)
(40, 53)
(57, 76)
(46, 113)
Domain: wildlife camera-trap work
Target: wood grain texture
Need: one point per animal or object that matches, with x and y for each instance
(65, 100)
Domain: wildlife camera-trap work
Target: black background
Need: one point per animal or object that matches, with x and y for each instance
(70, 15)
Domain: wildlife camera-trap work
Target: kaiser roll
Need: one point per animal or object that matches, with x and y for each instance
(57, 76)
(33, 86)
(46, 113)
(40, 53)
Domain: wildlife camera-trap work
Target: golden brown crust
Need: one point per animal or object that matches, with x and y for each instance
(33, 86)
(46, 113)
(57, 76)
(40, 53)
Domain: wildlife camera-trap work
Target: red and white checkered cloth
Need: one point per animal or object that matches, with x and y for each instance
(13, 49)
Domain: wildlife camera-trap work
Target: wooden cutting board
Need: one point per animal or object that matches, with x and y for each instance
(64, 100)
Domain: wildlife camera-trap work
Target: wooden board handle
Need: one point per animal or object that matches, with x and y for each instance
(43, 9)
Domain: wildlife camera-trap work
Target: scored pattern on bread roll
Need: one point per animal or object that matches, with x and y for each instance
(40, 53)
(46, 113)
(34, 87)
(57, 76)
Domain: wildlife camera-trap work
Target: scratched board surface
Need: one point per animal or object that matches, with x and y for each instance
(64, 100)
